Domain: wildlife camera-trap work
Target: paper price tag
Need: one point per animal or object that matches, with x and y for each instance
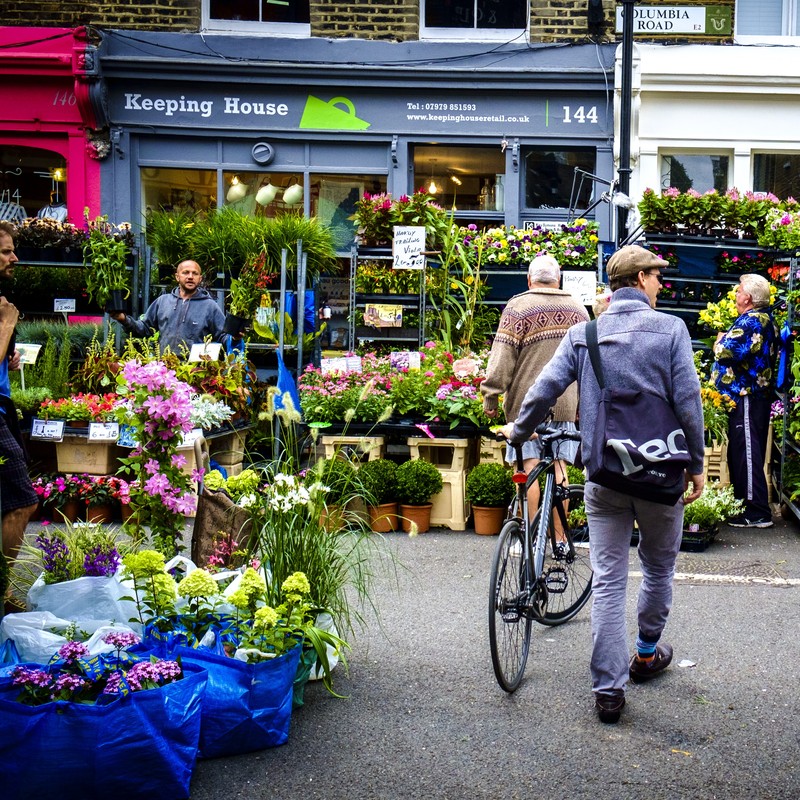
(103, 431)
(61, 304)
(191, 437)
(28, 353)
(200, 349)
(51, 430)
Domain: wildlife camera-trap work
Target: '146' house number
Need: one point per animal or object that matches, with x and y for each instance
(580, 114)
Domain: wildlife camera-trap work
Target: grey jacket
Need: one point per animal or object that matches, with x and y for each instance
(180, 322)
(640, 349)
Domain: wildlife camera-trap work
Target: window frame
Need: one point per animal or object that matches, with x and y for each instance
(247, 27)
(665, 153)
(790, 20)
(474, 34)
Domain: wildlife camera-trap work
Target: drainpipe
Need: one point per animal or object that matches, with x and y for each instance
(626, 90)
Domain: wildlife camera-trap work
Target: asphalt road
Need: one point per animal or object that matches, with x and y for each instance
(424, 717)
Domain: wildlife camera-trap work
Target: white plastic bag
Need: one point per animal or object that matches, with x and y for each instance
(98, 598)
(38, 635)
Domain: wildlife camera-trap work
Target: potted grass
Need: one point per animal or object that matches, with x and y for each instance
(379, 478)
(417, 482)
(489, 489)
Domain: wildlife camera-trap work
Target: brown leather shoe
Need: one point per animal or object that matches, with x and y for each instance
(642, 671)
(609, 706)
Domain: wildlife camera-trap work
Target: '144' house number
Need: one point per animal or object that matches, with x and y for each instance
(580, 114)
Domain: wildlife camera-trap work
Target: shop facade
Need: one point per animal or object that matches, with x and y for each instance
(50, 151)
(496, 133)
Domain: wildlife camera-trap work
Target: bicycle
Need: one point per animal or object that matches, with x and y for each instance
(540, 571)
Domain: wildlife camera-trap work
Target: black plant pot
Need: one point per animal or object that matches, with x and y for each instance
(235, 325)
(117, 302)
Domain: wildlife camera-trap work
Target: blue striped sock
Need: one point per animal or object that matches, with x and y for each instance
(645, 649)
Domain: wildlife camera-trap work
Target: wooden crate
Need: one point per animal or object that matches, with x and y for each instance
(76, 454)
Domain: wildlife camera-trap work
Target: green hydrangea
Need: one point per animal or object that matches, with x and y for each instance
(240, 599)
(214, 480)
(198, 584)
(145, 563)
(296, 586)
(265, 619)
(252, 582)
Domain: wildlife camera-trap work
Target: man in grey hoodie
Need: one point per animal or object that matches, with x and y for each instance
(183, 317)
(640, 349)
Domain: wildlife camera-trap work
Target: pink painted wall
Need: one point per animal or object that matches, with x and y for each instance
(45, 107)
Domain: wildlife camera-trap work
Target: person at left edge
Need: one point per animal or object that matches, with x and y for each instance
(17, 498)
(183, 317)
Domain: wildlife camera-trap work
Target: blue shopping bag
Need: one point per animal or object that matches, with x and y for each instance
(142, 745)
(246, 707)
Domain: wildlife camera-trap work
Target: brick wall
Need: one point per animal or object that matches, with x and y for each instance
(395, 20)
(391, 20)
(131, 14)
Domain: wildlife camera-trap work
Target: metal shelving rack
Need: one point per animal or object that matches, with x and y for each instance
(358, 299)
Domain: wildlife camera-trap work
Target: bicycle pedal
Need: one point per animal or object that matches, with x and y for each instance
(556, 580)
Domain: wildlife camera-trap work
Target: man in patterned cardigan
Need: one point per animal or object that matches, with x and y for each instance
(531, 327)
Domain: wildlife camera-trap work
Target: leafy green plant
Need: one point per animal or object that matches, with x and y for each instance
(222, 242)
(716, 504)
(169, 233)
(52, 368)
(105, 259)
(283, 232)
(417, 482)
(489, 485)
(27, 401)
(338, 475)
(379, 478)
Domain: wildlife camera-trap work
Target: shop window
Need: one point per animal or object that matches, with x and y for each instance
(778, 173)
(474, 19)
(697, 171)
(760, 18)
(469, 178)
(178, 189)
(550, 177)
(276, 17)
(33, 182)
(333, 201)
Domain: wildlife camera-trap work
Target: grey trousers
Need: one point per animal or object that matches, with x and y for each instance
(611, 515)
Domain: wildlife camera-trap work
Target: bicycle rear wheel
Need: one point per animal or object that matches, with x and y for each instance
(509, 622)
(568, 575)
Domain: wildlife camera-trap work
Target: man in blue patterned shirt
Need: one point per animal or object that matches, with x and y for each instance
(744, 371)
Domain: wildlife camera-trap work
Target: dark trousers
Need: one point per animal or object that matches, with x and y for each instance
(748, 428)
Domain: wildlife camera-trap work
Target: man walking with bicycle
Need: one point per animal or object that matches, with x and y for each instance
(642, 350)
(531, 327)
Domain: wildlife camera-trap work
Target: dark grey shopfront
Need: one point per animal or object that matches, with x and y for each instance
(495, 131)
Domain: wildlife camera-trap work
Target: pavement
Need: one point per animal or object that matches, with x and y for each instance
(422, 715)
(424, 718)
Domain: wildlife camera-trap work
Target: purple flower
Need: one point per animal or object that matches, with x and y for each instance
(72, 651)
(56, 558)
(99, 562)
(121, 639)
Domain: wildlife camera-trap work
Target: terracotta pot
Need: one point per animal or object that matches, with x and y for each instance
(69, 511)
(332, 518)
(100, 513)
(419, 514)
(383, 518)
(488, 520)
(125, 511)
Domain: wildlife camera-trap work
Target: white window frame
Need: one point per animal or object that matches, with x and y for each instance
(473, 34)
(300, 30)
(789, 18)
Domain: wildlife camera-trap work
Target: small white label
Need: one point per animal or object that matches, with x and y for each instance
(191, 437)
(210, 349)
(63, 305)
(28, 353)
(50, 429)
(103, 431)
(407, 247)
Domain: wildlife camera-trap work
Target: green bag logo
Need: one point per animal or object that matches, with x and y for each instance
(328, 116)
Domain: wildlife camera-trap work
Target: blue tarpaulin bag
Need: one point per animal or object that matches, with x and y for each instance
(142, 745)
(246, 707)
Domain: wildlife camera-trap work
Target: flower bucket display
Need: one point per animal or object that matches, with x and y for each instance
(246, 707)
(141, 745)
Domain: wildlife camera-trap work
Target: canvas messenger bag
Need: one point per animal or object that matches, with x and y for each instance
(638, 446)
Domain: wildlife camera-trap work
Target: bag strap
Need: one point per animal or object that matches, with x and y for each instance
(594, 353)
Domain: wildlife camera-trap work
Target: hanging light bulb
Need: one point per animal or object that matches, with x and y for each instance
(433, 188)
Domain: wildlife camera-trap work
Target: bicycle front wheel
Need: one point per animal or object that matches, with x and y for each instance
(567, 570)
(509, 620)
